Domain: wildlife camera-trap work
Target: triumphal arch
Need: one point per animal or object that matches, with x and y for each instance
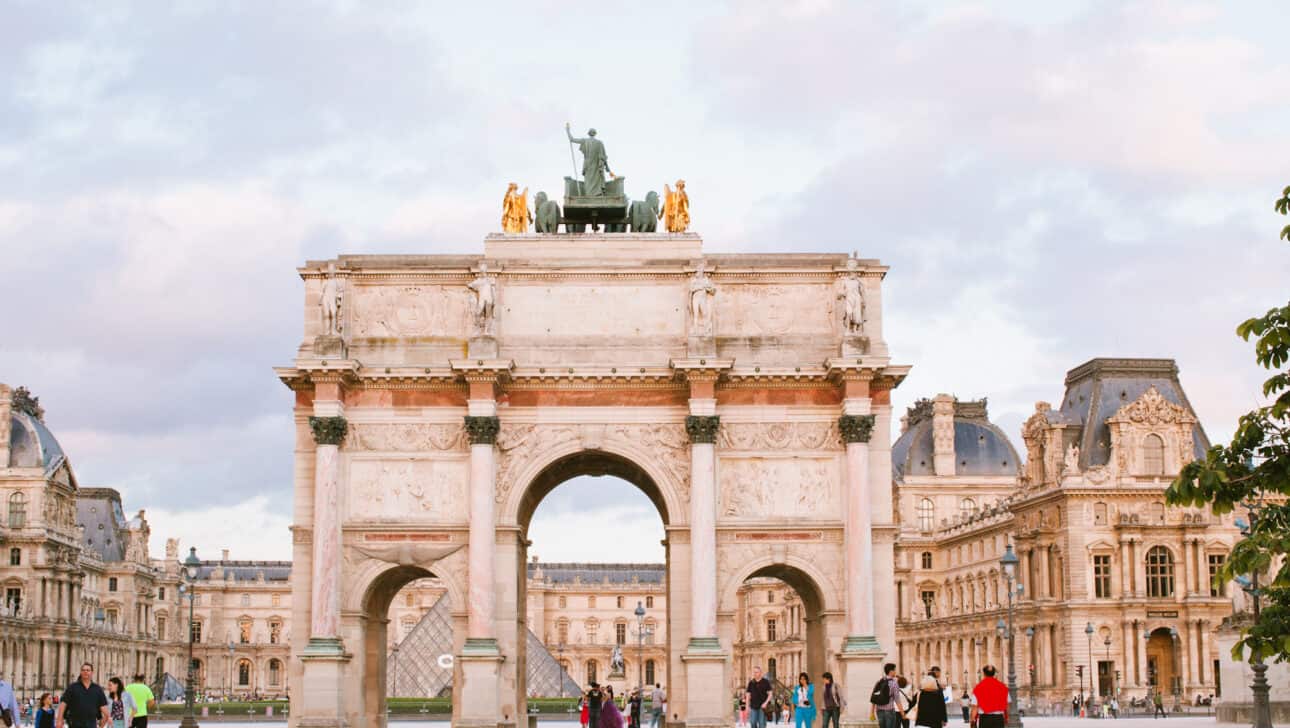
(438, 398)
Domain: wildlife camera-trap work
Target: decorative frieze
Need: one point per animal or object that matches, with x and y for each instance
(702, 428)
(482, 430)
(855, 428)
(778, 436)
(329, 430)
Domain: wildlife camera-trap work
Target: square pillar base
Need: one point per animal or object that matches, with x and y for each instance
(480, 690)
(861, 669)
(705, 667)
(321, 692)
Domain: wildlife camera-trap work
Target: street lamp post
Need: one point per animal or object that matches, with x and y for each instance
(191, 565)
(1177, 686)
(1009, 563)
(1110, 691)
(640, 648)
(1092, 692)
(228, 689)
(1250, 585)
(1030, 673)
(560, 651)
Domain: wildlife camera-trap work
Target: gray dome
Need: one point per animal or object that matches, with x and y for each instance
(980, 448)
(32, 445)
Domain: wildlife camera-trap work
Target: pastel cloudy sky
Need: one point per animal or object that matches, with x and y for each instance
(1047, 185)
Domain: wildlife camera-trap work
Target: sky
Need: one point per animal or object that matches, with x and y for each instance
(1047, 184)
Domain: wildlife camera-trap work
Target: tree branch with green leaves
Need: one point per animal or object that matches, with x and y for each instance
(1252, 473)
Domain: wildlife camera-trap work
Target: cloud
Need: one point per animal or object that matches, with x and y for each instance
(600, 519)
(251, 529)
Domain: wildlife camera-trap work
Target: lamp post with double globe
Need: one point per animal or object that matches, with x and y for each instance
(1009, 563)
(191, 566)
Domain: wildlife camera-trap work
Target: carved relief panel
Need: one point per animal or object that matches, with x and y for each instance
(411, 311)
(780, 488)
(407, 489)
(777, 310)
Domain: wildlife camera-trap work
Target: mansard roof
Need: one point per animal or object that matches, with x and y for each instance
(569, 573)
(1098, 388)
(99, 511)
(247, 571)
(32, 445)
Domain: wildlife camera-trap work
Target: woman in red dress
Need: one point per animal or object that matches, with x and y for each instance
(584, 717)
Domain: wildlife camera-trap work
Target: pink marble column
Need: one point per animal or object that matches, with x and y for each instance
(324, 623)
(482, 432)
(702, 429)
(856, 429)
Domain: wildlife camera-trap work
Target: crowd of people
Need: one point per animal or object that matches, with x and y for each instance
(598, 708)
(84, 704)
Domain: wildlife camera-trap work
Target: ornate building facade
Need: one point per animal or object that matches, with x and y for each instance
(1116, 595)
(772, 632)
(77, 581)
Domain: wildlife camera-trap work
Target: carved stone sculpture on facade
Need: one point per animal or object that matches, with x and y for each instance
(853, 301)
(1071, 464)
(485, 289)
(331, 306)
(702, 293)
(546, 214)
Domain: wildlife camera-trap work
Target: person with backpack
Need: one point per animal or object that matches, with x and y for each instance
(885, 698)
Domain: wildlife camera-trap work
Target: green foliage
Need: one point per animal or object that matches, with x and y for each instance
(1252, 472)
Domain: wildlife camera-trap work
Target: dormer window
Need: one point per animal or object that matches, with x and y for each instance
(1153, 455)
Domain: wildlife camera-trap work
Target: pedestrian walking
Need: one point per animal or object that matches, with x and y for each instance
(656, 700)
(930, 703)
(885, 698)
(757, 697)
(905, 700)
(595, 700)
(43, 715)
(144, 701)
(832, 701)
(582, 711)
(991, 709)
(84, 704)
(803, 702)
(965, 703)
(120, 704)
(634, 708)
(1158, 701)
(10, 714)
(741, 710)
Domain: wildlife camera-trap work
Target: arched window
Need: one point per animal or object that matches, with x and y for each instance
(18, 510)
(275, 673)
(966, 507)
(1160, 572)
(244, 673)
(1153, 455)
(649, 672)
(591, 671)
(927, 559)
(926, 514)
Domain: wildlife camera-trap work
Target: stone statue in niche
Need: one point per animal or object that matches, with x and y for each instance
(1071, 462)
(702, 293)
(853, 300)
(485, 289)
(616, 663)
(331, 302)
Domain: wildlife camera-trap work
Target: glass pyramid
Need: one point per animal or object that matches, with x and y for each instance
(420, 665)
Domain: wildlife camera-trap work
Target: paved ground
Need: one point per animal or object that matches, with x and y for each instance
(1034, 722)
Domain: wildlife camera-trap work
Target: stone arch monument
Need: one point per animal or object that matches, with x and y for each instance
(439, 398)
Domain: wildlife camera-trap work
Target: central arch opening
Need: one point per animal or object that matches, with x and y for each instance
(779, 628)
(594, 581)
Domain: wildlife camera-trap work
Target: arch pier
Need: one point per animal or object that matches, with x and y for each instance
(439, 398)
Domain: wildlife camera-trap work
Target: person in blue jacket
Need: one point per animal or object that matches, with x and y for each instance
(803, 702)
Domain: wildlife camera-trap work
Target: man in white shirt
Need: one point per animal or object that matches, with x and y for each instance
(9, 704)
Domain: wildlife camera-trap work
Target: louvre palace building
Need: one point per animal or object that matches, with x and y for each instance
(1113, 591)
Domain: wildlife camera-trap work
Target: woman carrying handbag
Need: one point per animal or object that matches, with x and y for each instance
(804, 702)
(931, 704)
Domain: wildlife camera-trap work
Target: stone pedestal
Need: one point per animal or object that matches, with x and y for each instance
(853, 346)
(480, 665)
(330, 345)
(860, 670)
(323, 704)
(482, 347)
(706, 703)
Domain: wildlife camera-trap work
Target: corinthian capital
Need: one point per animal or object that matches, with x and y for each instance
(482, 430)
(855, 428)
(702, 428)
(328, 430)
